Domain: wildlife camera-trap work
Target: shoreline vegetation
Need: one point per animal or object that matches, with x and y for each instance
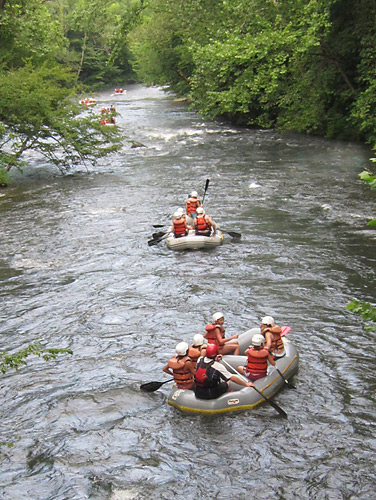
(297, 65)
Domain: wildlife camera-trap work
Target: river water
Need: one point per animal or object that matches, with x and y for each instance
(76, 272)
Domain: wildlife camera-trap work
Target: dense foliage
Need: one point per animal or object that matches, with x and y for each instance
(38, 89)
(367, 311)
(304, 65)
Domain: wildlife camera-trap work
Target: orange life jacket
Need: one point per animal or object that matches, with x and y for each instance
(194, 353)
(192, 204)
(201, 224)
(182, 375)
(277, 342)
(211, 335)
(179, 226)
(257, 360)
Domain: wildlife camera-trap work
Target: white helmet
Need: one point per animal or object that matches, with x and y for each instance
(217, 316)
(177, 215)
(258, 340)
(198, 340)
(181, 348)
(200, 210)
(194, 194)
(268, 320)
(180, 209)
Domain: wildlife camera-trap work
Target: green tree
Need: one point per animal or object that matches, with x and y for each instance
(37, 113)
(27, 32)
(304, 65)
(37, 94)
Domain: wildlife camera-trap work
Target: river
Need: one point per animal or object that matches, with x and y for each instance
(76, 271)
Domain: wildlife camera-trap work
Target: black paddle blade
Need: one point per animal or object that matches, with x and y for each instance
(153, 386)
(158, 235)
(158, 225)
(233, 234)
(154, 242)
(274, 405)
(206, 185)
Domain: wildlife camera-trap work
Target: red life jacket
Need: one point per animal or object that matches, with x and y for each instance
(210, 334)
(191, 205)
(206, 376)
(257, 360)
(179, 227)
(201, 224)
(182, 375)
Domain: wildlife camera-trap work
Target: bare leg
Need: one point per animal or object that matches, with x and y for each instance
(241, 370)
(230, 348)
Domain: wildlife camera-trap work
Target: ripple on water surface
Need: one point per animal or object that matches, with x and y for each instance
(76, 271)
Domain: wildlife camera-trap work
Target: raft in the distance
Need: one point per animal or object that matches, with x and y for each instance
(241, 398)
(193, 241)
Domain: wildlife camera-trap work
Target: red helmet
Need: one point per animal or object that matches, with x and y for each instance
(211, 350)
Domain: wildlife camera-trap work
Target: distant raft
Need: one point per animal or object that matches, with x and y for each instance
(88, 101)
(118, 92)
(240, 398)
(193, 241)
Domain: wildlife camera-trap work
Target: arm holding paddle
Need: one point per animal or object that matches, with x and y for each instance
(270, 402)
(235, 378)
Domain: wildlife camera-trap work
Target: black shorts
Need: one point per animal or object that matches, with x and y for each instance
(212, 393)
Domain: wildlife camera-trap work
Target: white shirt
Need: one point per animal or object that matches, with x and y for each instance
(218, 366)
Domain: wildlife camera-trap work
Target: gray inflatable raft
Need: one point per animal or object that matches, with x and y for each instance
(193, 241)
(238, 397)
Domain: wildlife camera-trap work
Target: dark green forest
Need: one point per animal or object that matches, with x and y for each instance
(301, 65)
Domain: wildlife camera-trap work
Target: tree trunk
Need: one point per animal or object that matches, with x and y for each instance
(82, 54)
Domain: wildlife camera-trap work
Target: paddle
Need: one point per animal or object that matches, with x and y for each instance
(155, 241)
(233, 234)
(206, 188)
(289, 384)
(153, 386)
(157, 235)
(274, 405)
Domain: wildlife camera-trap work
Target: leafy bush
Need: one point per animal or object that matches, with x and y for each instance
(8, 361)
(365, 309)
(3, 177)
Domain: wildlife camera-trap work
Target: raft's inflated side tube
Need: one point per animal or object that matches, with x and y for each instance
(242, 398)
(193, 241)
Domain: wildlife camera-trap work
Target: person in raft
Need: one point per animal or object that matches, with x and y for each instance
(212, 378)
(179, 225)
(258, 357)
(215, 334)
(181, 367)
(197, 349)
(203, 224)
(272, 334)
(182, 212)
(192, 204)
